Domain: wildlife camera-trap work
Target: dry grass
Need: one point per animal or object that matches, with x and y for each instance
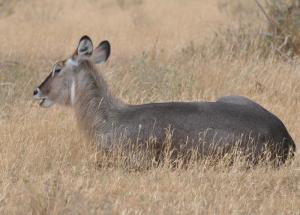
(170, 50)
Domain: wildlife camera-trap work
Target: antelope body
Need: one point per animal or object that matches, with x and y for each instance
(209, 127)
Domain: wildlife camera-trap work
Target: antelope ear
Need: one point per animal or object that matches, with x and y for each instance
(101, 53)
(85, 46)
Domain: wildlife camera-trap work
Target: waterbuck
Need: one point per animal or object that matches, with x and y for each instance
(210, 128)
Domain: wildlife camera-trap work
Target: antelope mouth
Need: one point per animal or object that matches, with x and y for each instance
(44, 100)
(46, 103)
(41, 101)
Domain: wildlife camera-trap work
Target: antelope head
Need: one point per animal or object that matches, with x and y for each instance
(59, 86)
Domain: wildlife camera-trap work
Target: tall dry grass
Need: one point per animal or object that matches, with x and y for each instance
(161, 51)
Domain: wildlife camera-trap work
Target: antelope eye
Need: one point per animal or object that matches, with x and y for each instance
(57, 70)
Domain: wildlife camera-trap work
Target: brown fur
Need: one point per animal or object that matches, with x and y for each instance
(104, 118)
(94, 101)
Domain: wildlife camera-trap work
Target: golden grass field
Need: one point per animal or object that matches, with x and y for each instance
(161, 51)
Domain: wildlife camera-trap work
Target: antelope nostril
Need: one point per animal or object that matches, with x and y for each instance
(35, 92)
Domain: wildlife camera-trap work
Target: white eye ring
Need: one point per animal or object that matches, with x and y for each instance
(56, 70)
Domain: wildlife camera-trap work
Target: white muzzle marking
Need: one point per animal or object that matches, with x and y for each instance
(44, 101)
(38, 95)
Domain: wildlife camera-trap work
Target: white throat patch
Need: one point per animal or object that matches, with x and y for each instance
(73, 93)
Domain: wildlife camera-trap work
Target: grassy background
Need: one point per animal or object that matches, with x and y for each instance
(161, 51)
